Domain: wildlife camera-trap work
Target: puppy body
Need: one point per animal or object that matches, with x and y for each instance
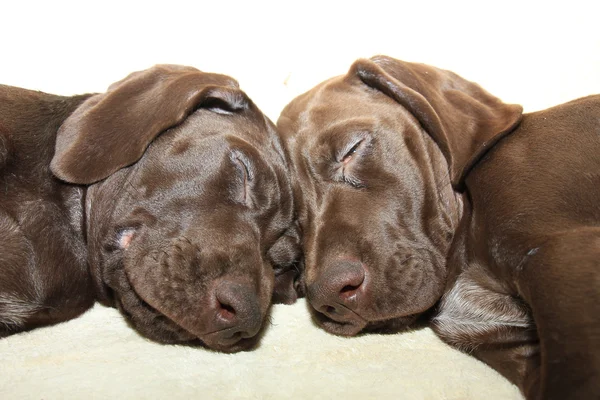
(38, 211)
(173, 205)
(420, 191)
(526, 258)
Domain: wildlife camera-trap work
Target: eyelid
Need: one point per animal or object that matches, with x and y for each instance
(352, 146)
(242, 160)
(243, 164)
(357, 146)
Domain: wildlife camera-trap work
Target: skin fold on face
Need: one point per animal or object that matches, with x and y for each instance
(167, 196)
(375, 229)
(186, 232)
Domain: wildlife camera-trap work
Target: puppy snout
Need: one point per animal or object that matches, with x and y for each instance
(238, 312)
(337, 292)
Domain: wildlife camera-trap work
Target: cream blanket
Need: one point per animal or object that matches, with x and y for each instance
(538, 54)
(97, 356)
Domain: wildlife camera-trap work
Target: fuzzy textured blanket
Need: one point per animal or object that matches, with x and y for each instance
(535, 53)
(97, 356)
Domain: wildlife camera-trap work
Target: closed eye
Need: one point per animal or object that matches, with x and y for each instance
(242, 165)
(346, 167)
(348, 156)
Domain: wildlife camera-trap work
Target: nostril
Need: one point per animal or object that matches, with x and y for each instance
(338, 288)
(348, 291)
(238, 310)
(226, 311)
(351, 283)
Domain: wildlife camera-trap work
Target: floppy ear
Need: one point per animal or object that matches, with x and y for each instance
(464, 120)
(286, 258)
(112, 130)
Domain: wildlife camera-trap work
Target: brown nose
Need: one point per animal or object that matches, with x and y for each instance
(336, 293)
(237, 313)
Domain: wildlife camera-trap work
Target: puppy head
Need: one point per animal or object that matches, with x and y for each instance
(189, 194)
(374, 154)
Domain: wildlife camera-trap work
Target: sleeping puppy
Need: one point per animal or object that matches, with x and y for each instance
(167, 197)
(420, 192)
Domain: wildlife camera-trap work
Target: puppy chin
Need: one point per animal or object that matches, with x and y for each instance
(231, 345)
(393, 325)
(358, 325)
(157, 327)
(168, 332)
(153, 325)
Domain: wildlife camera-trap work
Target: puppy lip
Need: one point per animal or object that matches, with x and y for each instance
(221, 342)
(344, 328)
(183, 335)
(213, 339)
(235, 343)
(243, 344)
(174, 327)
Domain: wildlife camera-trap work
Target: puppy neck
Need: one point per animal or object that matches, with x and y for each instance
(450, 201)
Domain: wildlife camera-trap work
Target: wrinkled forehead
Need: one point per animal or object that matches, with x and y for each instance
(196, 150)
(207, 126)
(339, 104)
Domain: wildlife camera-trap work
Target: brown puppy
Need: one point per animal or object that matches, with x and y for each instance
(415, 186)
(172, 203)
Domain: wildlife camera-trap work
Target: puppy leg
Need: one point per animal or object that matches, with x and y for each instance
(37, 289)
(491, 325)
(19, 289)
(561, 282)
(286, 258)
(4, 149)
(515, 354)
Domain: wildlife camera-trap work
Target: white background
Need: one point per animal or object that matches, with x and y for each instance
(534, 53)
(537, 53)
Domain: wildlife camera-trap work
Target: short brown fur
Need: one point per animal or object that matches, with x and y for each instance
(418, 190)
(167, 197)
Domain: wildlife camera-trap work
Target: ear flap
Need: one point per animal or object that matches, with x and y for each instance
(286, 258)
(464, 120)
(112, 130)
